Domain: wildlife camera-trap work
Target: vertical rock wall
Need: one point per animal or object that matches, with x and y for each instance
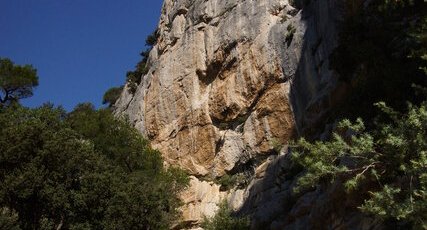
(216, 92)
(230, 83)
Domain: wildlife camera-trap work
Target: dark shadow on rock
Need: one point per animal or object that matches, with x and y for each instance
(271, 202)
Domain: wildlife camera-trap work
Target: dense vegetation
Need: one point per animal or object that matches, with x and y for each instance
(382, 53)
(79, 170)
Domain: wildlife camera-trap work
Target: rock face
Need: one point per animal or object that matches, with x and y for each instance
(230, 83)
(216, 90)
(200, 199)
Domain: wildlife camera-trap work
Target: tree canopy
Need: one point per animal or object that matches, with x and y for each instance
(391, 161)
(16, 81)
(83, 170)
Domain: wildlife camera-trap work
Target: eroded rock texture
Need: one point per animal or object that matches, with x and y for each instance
(216, 91)
(230, 83)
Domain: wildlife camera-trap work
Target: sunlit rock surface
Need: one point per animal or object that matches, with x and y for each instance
(230, 83)
(216, 89)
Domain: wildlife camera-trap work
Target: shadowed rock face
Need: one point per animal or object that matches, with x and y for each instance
(230, 82)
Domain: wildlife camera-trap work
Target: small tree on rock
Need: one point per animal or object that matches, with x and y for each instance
(111, 96)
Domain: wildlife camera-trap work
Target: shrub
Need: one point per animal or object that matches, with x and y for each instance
(224, 220)
(111, 96)
(227, 181)
(290, 34)
(378, 45)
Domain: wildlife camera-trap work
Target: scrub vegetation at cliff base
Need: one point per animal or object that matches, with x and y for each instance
(80, 170)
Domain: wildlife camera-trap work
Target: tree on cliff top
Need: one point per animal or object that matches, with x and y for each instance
(16, 82)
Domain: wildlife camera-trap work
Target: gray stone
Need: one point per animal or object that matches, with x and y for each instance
(232, 81)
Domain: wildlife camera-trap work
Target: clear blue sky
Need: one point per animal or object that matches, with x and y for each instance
(80, 48)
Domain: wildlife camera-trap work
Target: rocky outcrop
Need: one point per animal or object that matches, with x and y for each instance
(216, 91)
(230, 83)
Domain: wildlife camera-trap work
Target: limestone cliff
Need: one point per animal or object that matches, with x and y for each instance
(216, 93)
(230, 83)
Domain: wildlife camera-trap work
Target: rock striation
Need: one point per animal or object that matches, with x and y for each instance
(230, 83)
(216, 92)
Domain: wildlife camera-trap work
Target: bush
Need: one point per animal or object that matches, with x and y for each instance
(112, 95)
(228, 182)
(151, 39)
(223, 220)
(290, 34)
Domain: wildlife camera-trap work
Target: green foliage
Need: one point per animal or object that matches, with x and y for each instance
(283, 18)
(383, 43)
(114, 138)
(111, 96)
(276, 144)
(392, 160)
(83, 170)
(227, 181)
(16, 82)
(290, 33)
(151, 39)
(41, 166)
(133, 78)
(223, 220)
(8, 219)
(147, 201)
